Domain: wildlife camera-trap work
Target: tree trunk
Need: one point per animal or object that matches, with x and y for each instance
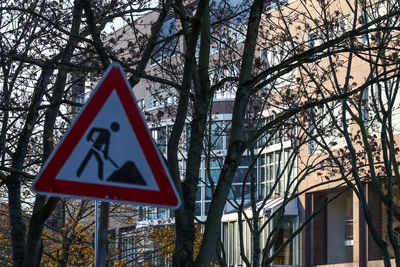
(40, 213)
(184, 216)
(237, 143)
(14, 180)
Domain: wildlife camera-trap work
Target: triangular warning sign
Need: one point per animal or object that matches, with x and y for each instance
(107, 153)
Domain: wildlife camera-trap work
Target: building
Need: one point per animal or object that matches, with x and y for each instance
(287, 159)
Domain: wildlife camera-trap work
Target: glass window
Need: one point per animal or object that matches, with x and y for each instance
(278, 165)
(216, 135)
(228, 91)
(228, 133)
(162, 213)
(274, 56)
(286, 227)
(208, 193)
(214, 175)
(319, 35)
(187, 130)
(237, 191)
(262, 168)
(206, 206)
(262, 190)
(197, 209)
(240, 175)
(273, 4)
(166, 46)
(162, 139)
(216, 162)
(160, 136)
(140, 103)
(373, 12)
(245, 161)
(198, 193)
(152, 101)
(128, 247)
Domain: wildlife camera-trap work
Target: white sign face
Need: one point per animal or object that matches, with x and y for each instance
(107, 144)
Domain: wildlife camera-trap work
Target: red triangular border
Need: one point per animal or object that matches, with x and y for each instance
(46, 182)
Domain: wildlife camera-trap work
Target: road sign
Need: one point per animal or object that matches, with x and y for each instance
(108, 153)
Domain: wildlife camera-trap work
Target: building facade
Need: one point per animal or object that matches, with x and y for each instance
(287, 171)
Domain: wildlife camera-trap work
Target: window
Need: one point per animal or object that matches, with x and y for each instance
(318, 36)
(311, 131)
(153, 213)
(160, 136)
(273, 56)
(273, 4)
(160, 99)
(152, 101)
(162, 213)
(286, 227)
(149, 213)
(275, 136)
(325, 124)
(211, 178)
(228, 91)
(276, 169)
(396, 232)
(231, 29)
(375, 11)
(166, 46)
(78, 91)
(128, 248)
(140, 103)
(387, 94)
(216, 138)
(237, 189)
(217, 135)
(364, 106)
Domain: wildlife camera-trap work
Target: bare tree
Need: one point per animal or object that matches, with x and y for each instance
(200, 49)
(357, 133)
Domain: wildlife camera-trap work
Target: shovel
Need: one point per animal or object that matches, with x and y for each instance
(127, 173)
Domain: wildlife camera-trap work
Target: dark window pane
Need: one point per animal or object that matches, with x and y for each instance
(236, 192)
(262, 174)
(214, 176)
(206, 207)
(166, 47)
(197, 209)
(285, 230)
(161, 214)
(262, 190)
(198, 193)
(216, 163)
(245, 161)
(216, 135)
(240, 175)
(208, 194)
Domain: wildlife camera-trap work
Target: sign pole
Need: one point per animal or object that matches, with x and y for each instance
(102, 235)
(96, 236)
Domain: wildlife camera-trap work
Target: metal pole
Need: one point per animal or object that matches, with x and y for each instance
(102, 235)
(96, 236)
